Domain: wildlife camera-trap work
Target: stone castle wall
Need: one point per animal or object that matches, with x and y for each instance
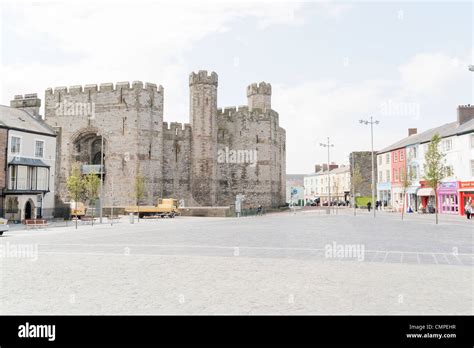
(131, 120)
(176, 160)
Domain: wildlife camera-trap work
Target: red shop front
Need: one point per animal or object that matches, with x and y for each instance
(466, 194)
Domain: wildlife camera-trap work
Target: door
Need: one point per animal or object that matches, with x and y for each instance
(28, 210)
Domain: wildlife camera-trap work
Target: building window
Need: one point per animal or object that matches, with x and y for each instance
(387, 158)
(22, 179)
(401, 155)
(388, 175)
(39, 148)
(395, 156)
(380, 160)
(449, 171)
(414, 152)
(380, 176)
(395, 174)
(447, 145)
(15, 145)
(28, 178)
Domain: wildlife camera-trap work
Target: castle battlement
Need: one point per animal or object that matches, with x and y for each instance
(104, 87)
(202, 77)
(261, 88)
(176, 129)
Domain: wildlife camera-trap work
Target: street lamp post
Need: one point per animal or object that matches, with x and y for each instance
(101, 175)
(328, 145)
(372, 122)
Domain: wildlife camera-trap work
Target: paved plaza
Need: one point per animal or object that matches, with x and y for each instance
(303, 263)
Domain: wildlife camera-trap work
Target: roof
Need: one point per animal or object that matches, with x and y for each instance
(22, 120)
(35, 162)
(295, 176)
(446, 130)
(338, 170)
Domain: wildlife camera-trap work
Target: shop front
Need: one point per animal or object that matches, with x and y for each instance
(384, 193)
(412, 198)
(466, 194)
(448, 202)
(426, 198)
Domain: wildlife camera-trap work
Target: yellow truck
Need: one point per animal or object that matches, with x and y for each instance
(78, 209)
(166, 207)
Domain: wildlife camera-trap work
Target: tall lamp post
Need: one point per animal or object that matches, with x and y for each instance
(101, 175)
(101, 135)
(371, 122)
(328, 145)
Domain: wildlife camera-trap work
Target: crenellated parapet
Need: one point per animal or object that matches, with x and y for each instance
(232, 114)
(105, 87)
(260, 88)
(176, 130)
(202, 77)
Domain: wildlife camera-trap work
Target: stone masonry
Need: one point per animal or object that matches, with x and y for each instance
(221, 153)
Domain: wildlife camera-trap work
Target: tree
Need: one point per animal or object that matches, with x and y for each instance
(91, 190)
(434, 167)
(406, 179)
(139, 192)
(357, 181)
(75, 185)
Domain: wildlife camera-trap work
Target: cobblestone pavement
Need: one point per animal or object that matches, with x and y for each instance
(303, 263)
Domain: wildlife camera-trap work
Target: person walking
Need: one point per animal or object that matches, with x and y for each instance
(468, 210)
(369, 204)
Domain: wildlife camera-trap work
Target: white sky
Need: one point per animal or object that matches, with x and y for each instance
(330, 63)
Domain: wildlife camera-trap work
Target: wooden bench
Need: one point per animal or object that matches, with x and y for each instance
(87, 219)
(114, 218)
(36, 223)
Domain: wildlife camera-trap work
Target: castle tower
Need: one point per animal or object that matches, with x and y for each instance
(203, 119)
(259, 96)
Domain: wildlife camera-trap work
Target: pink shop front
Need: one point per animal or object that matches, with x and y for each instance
(448, 200)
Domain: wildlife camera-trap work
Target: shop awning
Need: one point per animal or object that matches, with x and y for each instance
(426, 191)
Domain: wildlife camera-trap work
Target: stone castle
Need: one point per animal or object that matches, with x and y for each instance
(221, 153)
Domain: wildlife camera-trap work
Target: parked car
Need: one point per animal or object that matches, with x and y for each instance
(3, 226)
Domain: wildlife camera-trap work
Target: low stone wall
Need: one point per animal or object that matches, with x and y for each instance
(207, 211)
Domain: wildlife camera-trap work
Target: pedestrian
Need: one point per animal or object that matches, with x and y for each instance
(369, 204)
(376, 205)
(468, 210)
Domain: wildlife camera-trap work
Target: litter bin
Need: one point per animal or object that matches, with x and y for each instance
(131, 217)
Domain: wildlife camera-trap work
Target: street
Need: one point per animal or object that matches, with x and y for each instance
(283, 263)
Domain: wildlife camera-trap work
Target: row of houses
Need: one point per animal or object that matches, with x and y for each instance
(28, 161)
(407, 157)
(335, 182)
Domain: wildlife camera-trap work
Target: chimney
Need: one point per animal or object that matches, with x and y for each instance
(30, 103)
(412, 131)
(325, 167)
(317, 168)
(465, 113)
(333, 166)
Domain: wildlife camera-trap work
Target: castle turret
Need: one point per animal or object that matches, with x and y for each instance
(203, 110)
(30, 103)
(259, 96)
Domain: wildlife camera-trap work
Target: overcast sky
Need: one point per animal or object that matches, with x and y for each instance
(330, 63)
